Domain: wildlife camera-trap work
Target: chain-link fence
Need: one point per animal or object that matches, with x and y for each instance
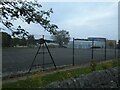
(40, 56)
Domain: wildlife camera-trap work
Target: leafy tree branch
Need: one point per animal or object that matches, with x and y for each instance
(27, 11)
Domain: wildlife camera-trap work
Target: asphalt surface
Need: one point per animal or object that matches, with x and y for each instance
(19, 59)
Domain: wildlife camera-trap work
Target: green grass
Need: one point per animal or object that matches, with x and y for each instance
(38, 80)
(0, 84)
(59, 76)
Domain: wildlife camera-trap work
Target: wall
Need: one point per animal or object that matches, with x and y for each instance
(98, 79)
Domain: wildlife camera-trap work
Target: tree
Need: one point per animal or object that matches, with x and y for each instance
(118, 46)
(111, 44)
(6, 40)
(18, 42)
(31, 40)
(15, 42)
(61, 37)
(27, 11)
(22, 42)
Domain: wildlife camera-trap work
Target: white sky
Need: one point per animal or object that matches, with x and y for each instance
(81, 19)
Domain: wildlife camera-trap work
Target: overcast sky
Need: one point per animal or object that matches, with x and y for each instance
(81, 19)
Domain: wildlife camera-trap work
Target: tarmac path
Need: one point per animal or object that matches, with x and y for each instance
(19, 59)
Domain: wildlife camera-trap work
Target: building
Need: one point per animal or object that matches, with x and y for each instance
(87, 43)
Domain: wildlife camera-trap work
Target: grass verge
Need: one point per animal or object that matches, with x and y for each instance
(39, 80)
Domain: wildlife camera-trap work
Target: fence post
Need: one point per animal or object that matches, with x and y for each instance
(43, 52)
(105, 50)
(73, 53)
(118, 49)
(115, 48)
(92, 49)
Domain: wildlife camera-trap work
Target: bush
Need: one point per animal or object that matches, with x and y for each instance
(51, 46)
(116, 62)
(106, 66)
(93, 65)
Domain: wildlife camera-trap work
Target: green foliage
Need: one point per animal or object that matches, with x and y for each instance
(60, 76)
(106, 66)
(93, 65)
(116, 62)
(20, 32)
(111, 44)
(52, 46)
(15, 42)
(24, 83)
(27, 11)
(118, 46)
(61, 37)
(6, 40)
(18, 41)
(31, 40)
(22, 42)
(39, 80)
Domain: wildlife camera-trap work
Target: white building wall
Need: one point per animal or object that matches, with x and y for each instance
(85, 44)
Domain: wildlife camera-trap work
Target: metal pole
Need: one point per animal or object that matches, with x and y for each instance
(105, 50)
(118, 56)
(92, 49)
(73, 53)
(50, 55)
(115, 48)
(34, 58)
(43, 53)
